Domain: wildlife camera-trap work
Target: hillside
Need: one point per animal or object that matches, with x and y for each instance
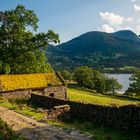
(97, 49)
(94, 98)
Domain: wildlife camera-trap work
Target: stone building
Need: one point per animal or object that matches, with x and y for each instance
(23, 85)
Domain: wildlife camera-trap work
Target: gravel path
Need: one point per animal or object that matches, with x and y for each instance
(33, 130)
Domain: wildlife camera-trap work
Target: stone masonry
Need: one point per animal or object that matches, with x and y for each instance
(58, 92)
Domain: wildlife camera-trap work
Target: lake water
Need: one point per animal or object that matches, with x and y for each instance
(123, 79)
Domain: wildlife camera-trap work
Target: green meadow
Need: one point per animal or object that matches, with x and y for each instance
(99, 99)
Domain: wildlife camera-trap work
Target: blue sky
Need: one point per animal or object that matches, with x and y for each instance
(70, 18)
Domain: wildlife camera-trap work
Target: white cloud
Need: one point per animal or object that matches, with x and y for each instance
(106, 28)
(137, 29)
(133, 0)
(138, 20)
(112, 18)
(115, 22)
(126, 28)
(137, 8)
(129, 19)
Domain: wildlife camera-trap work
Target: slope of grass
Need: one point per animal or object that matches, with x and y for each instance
(94, 98)
(21, 106)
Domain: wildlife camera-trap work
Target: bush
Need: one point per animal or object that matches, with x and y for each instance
(6, 132)
(134, 86)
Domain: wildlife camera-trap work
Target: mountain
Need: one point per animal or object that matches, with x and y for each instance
(126, 34)
(96, 49)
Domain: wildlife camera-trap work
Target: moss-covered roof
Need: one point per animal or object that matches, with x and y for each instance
(29, 81)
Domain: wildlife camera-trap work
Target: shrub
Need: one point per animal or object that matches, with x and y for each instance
(6, 132)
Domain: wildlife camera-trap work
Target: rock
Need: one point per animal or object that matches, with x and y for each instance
(42, 121)
(74, 133)
(46, 111)
(68, 130)
(35, 137)
(33, 117)
(32, 109)
(40, 110)
(58, 137)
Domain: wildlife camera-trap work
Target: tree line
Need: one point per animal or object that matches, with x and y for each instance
(94, 79)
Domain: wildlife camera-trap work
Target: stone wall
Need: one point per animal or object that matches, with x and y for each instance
(16, 94)
(59, 92)
(58, 112)
(123, 117)
(1, 86)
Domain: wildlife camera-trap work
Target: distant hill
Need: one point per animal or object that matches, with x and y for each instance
(97, 49)
(126, 34)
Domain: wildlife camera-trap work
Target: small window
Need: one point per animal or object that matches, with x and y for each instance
(51, 94)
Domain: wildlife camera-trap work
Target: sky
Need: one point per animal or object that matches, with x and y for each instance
(71, 18)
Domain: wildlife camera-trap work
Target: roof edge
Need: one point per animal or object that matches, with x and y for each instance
(61, 78)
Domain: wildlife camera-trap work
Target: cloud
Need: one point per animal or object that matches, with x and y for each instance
(133, 0)
(112, 18)
(113, 22)
(106, 28)
(129, 19)
(137, 8)
(137, 29)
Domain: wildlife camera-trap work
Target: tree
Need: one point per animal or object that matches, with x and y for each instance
(94, 79)
(20, 49)
(84, 76)
(112, 85)
(67, 75)
(134, 87)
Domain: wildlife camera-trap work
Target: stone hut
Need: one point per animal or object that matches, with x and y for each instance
(23, 85)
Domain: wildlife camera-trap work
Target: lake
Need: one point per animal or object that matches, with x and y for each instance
(123, 79)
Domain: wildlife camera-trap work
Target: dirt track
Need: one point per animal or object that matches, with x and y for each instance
(33, 130)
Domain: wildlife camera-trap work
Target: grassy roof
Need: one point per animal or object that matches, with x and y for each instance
(28, 81)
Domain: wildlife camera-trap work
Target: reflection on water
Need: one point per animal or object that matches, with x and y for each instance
(123, 79)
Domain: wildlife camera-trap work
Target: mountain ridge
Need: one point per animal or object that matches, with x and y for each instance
(97, 48)
(127, 34)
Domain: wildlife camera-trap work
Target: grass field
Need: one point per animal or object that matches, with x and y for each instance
(21, 106)
(94, 98)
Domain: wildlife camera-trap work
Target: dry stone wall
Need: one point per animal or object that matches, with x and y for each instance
(123, 117)
(1, 86)
(16, 94)
(59, 92)
(58, 112)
